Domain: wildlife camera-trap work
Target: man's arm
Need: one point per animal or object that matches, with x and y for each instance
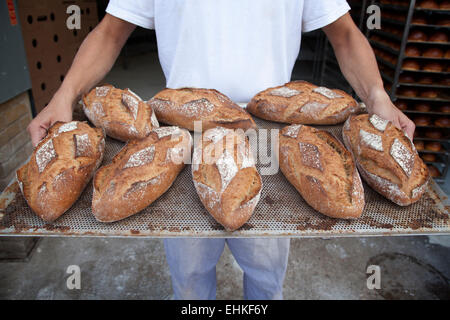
(358, 64)
(94, 59)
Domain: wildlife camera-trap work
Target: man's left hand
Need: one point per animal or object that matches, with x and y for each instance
(381, 105)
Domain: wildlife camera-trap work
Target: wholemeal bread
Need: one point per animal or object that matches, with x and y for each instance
(122, 113)
(181, 107)
(60, 167)
(386, 158)
(140, 173)
(301, 102)
(225, 176)
(322, 170)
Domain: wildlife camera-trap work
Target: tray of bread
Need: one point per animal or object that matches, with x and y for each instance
(251, 198)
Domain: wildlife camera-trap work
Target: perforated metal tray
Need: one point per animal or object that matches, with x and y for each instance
(280, 212)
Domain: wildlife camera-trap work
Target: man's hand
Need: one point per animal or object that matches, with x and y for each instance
(59, 109)
(380, 104)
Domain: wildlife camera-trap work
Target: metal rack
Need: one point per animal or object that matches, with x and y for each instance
(394, 34)
(393, 45)
(281, 211)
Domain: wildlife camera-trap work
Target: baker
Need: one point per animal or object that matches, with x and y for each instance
(239, 47)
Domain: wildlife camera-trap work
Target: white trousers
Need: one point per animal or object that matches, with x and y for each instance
(192, 263)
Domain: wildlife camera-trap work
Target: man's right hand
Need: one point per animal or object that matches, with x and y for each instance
(59, 109)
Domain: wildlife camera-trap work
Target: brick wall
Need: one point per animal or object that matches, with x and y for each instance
(15, 144)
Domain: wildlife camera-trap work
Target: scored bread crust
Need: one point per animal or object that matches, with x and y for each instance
(225, 177)
(322, 170)
(121, 113)
(181, 107)
(140, 173)
(60, 167)
(301, 102)
(386, 158)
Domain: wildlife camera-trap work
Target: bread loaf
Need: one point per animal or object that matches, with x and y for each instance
(225, 176)
(60, 167)
(140, 173)
(433, 67)
(322, 170)
(386, 158)
(411, 65)
(412, 51)
(122, 113)
(303, 103)
(181, 107)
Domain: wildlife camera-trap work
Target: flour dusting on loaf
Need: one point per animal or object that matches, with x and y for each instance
(292, 131)
(82, 145)
(206, 192)
(97, 110)
(153, 120)
(160, 104)
(69, 126)
(102, 91)
(131, 103)
(227, 168)
(166, 131)
(402, 156)
(419, 190)
(310, 155)
(138, 189)
(371, 140)
(284, 92)
(197, 108)
(330, 94)
(141, 157)
(384, 184)
(44, 155)
(313, 108)
(378, 122)
(247, 158)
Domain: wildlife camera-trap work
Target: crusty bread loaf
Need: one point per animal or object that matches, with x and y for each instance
(322, 170)
(225, 176)
(122, 113)
(60, 167)
(302, 102)
(140, 173)
(181, 107)
(386, 158)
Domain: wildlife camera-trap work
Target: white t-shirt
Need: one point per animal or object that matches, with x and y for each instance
(238, 47)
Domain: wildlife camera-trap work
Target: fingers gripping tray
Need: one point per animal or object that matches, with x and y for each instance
(281, 211)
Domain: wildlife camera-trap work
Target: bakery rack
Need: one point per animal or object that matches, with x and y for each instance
(389, 44)
(281, 212)
(405, 87)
